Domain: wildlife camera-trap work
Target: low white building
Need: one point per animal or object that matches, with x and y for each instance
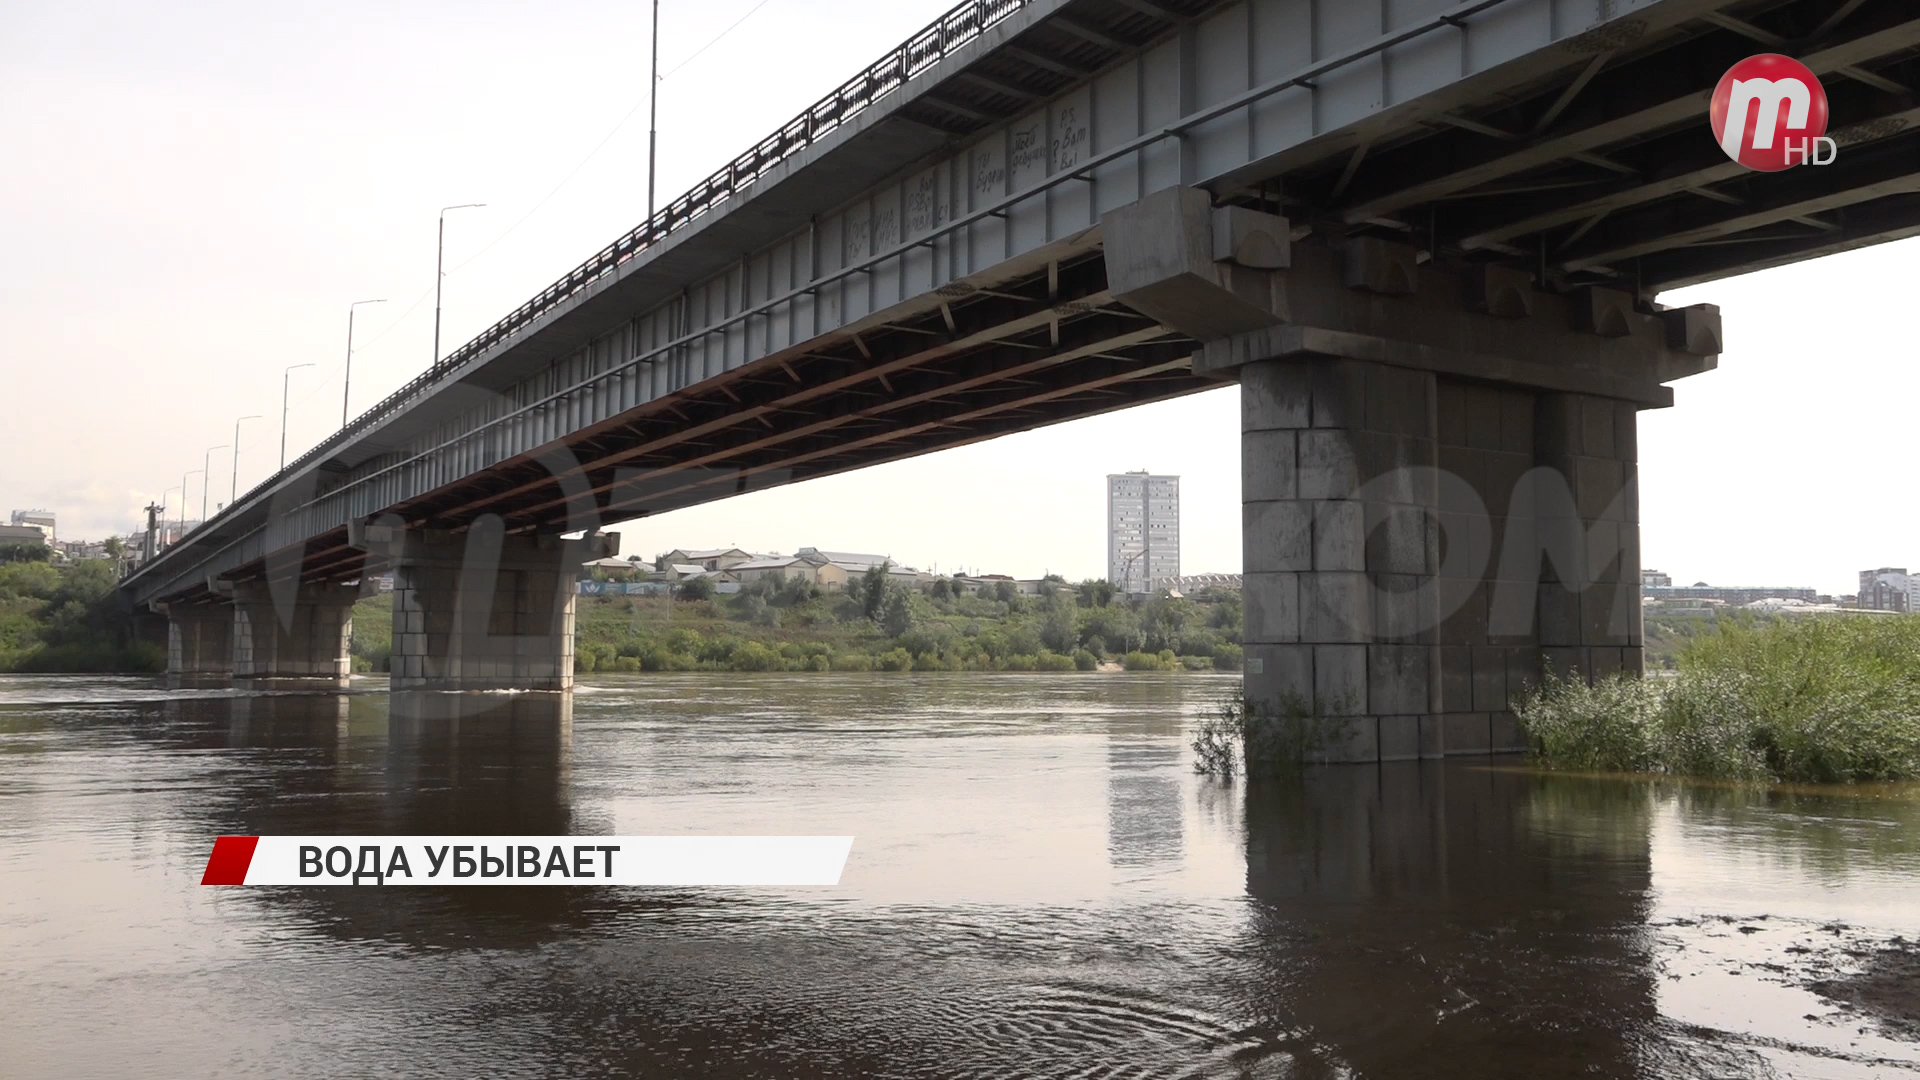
(775, 567)
(705, 558)
(853, 564)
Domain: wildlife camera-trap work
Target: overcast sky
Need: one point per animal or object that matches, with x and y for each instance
(194, 193)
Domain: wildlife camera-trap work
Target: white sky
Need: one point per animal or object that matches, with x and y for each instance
(194, 193)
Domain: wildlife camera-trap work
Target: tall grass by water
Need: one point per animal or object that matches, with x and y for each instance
(1808, 699)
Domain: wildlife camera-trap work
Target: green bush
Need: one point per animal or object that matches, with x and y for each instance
(753, 656)
(1815, 699)
(1085, 660)
(852, 661)
(1197, 663)
(1048, 660)
(896, 660)
(1143, 661)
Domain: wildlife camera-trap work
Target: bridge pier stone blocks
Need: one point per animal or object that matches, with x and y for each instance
(484, 611)
(1439, 469)
(199, 643)
(288, 636)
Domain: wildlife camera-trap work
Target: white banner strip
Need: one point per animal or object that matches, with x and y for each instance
(528, 860)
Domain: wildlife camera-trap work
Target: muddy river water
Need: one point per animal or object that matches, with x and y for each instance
(1040, 886)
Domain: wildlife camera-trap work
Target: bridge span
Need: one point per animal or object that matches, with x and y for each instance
(1424, 237)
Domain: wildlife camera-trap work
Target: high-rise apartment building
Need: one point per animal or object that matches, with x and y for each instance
(41, 519)
(1143, 530)
(1885, 589)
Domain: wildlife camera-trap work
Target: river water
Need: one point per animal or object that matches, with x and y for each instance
(1040, 886)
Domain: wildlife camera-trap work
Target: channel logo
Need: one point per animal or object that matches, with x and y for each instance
(1769, 113)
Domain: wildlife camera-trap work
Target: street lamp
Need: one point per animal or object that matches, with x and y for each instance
(183, 502)
(163, 519)
(206, 476)
(653, 109)
(439, 275)
(346, 380)
(286, 383)
(234, 495)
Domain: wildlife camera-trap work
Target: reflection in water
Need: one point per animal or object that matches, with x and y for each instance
(1417, 918)
(1040, 887)
(1145, 820)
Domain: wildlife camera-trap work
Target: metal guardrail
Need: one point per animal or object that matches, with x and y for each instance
(962, 24)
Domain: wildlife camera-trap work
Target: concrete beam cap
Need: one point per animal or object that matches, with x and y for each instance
(1253, 239)
(1500, 291)
(1694, 329)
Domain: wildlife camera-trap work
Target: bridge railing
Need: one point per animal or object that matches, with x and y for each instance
(937, 40)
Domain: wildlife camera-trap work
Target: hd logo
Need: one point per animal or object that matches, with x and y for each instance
(1769, 113)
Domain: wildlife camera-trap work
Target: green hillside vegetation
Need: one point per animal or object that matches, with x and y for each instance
(880, 626)
(65, 618)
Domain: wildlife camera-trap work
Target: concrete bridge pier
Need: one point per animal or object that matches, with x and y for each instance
(1439, 476)
(481, 610)
(292, 636)
(199, 643)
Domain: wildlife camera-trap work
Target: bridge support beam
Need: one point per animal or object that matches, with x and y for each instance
(485, 611)
(199, 643)
(1439, 475)
(292, 636)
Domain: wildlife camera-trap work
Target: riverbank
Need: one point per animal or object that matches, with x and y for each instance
(1820, 700)
(798, 629)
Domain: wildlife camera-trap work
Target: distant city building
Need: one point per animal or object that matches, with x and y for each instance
(776, 568)
(1195, 582)
(1143, 530)
(1655, 579)
(1730, 594)
(1890, 588)
(41, 518)
(832, 569)
(22, 534)
(707, 558)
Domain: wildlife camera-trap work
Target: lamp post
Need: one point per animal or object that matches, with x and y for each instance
(163, 519)
(183, 501)
(439, 274)
(206, 477)
(346, 380)
(234, 495)
(653, 111)
(286, 384)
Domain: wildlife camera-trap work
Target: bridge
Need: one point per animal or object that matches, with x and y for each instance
(1423, 237)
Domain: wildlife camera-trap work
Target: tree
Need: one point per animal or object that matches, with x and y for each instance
(1057, 627)
(114, 547)
(899, 614)
(1115, 625)
(873, 591)
(793, 590)
(1162, 619)
(942, 589)
(1095, 593)
(25, 553)
(696, 589)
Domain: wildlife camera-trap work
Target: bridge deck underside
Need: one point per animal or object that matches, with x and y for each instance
(1037, 351)
(1581, 155)
(1609, 173)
